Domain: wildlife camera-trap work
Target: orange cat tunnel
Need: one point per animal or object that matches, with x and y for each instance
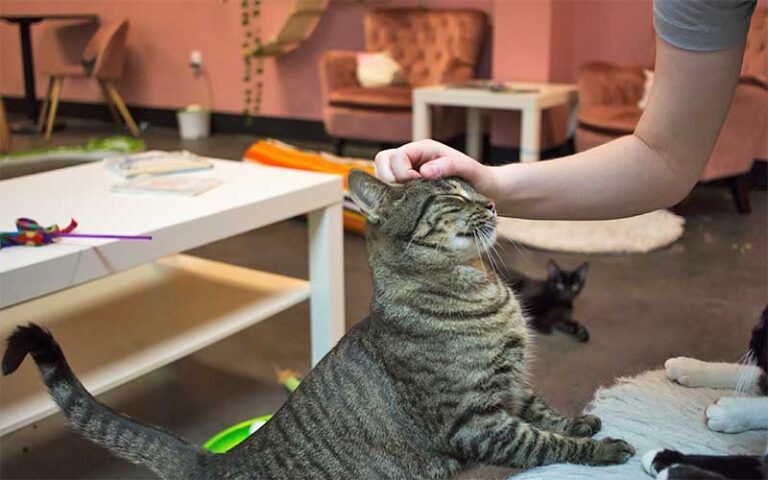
(279, 154)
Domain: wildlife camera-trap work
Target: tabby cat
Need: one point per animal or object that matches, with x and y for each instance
(433, 381)
(549, 302)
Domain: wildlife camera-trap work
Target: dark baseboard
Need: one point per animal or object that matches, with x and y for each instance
(285, 128)
(307, 130)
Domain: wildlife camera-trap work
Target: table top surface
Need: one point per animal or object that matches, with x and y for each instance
(250, 196)
(16, 17)
(526, 89)
(513, 95)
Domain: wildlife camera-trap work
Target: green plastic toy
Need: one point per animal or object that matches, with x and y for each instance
(228, 439)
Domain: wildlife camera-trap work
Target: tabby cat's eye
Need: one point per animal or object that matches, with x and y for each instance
(458, 197)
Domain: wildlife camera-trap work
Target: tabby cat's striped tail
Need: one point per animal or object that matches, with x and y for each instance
(164, 453)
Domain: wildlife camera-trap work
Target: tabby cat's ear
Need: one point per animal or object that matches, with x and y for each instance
(553, 271)
(370, 194)
(581, 272)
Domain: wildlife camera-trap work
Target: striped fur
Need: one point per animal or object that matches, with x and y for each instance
(433, 381)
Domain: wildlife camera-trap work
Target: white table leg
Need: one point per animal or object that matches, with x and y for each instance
(474, 138)
(421, 125)
(326, 275)
(530, 137)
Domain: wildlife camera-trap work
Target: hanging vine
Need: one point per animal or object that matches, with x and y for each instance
(253, 71)
(253, 65)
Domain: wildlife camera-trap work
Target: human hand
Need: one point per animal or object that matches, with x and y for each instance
(430, 159)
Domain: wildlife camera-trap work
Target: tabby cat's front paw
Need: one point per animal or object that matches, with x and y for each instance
(611, 451)
(584, 426)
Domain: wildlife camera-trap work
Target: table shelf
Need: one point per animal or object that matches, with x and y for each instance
(120, 327)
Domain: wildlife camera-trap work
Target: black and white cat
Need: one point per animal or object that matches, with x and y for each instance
(549, 302)
(727, 415)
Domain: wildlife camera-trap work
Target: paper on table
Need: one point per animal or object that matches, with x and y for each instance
(175, 185)
(156, 162)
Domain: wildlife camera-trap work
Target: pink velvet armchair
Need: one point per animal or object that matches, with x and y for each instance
(608, 97)
(431, 47)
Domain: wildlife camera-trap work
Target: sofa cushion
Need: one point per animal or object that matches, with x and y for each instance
(612, 119)
(394, 97)
(755, 65)
(378, 70)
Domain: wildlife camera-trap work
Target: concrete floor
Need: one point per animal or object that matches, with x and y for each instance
(697, 298)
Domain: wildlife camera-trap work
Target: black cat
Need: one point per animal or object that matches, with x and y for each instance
(673, 465)
(549, 302)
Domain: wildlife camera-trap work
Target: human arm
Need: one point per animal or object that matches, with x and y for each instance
(654, 167)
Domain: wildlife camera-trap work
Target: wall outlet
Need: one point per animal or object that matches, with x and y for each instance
(196, 59)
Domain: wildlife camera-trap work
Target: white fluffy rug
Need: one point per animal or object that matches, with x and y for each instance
(638, 234)
(650, 412)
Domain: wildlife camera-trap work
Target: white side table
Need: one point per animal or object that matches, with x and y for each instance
(529, 98)
(121, 309)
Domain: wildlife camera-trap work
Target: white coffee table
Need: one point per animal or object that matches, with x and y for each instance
(530, 98)
(124, 308)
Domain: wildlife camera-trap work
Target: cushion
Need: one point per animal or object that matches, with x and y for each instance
(378, 70)
(397, 97)
(614, 119)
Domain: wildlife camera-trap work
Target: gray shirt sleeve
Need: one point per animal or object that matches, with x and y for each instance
(703, 25)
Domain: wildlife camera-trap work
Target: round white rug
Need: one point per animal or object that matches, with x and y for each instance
(639, 234)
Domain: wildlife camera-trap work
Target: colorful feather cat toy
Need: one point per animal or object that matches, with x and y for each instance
(29, 233)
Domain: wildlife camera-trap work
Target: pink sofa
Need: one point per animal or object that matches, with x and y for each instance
(431, 46)
(608, 97)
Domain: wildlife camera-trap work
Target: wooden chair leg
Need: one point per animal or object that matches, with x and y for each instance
(740, 190)
(44, 108)
(110, 103)
(120, 104)
(5, 134)
(58, 83)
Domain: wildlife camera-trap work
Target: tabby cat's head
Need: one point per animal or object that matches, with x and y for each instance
(424, 223)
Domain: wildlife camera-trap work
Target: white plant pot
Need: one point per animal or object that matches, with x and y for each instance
(194, 124)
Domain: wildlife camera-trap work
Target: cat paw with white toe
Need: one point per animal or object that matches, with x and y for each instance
(685, 371)
(726, 416)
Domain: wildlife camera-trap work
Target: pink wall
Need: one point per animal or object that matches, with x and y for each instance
(163, 32)
(547, 40)
(541, 40)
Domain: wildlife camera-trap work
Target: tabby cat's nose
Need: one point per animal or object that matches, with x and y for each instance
(491, 207)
